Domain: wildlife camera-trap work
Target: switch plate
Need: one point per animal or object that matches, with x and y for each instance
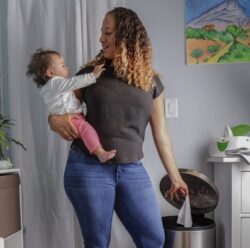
(171, 108)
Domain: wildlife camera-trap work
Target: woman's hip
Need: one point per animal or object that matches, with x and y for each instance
(82, 169)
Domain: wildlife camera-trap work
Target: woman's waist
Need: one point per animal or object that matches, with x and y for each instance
(126, 151)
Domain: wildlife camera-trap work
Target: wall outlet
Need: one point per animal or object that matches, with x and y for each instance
(171, 108)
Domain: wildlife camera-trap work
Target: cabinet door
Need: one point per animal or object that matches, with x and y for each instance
(245, 237)
(245, 184)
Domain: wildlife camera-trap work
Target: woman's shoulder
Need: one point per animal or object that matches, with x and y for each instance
(158, 87)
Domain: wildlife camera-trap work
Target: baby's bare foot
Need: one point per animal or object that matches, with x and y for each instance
(103, 155)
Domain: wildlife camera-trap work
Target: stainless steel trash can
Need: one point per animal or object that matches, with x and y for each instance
(204, 198)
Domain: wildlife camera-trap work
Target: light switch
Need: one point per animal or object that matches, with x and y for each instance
(171, 108)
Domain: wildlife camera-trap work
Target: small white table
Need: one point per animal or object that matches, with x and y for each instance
(16, 239)
(232, 215)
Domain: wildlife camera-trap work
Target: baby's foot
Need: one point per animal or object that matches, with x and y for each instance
(103, 155)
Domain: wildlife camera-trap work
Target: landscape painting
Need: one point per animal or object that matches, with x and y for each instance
(217, 31)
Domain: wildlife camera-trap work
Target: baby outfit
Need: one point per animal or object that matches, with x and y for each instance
(59, 99)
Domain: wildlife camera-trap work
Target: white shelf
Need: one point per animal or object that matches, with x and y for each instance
(244, 215)
(224, 160)
(10, 171)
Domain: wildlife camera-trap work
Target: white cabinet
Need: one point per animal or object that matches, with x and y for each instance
(245, 234)
(232, 215)
(15, 240)
(245, 185)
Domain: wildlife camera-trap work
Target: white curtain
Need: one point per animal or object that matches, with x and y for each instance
(2, 42)
(72, 28)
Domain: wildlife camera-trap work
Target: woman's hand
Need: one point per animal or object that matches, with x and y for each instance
(179, 189)
(62, 125)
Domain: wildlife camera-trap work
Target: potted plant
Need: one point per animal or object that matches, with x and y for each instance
(5, 141)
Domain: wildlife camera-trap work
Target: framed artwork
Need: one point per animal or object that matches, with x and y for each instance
(217, 31)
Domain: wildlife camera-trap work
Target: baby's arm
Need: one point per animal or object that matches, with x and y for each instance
(61, 84)
(73, 83)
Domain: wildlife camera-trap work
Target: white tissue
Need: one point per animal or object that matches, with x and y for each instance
(184, 216)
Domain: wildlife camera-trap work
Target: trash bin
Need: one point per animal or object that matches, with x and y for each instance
(10, 221)
(204, 198)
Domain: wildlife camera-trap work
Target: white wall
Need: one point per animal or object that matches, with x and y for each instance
(210, 96)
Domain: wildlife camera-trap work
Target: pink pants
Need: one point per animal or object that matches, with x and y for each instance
(87, 133)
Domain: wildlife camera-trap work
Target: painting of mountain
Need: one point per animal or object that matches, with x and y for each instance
(217, 31)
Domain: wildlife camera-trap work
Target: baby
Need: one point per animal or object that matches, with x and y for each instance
(51, 75)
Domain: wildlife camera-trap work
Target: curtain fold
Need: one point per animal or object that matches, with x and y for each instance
(3, 42)
(73, 29)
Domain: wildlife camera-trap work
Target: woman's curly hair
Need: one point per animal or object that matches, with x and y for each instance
(39, 64)
(133, 58)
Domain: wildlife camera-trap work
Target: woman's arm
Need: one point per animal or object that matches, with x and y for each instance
(164, 147)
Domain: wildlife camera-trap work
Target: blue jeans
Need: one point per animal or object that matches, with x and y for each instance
(96, 190)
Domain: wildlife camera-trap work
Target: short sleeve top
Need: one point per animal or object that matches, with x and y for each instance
(119, 113)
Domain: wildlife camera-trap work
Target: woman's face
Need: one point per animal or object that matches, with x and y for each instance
(107, 38)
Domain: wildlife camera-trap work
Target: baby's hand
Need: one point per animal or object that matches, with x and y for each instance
(98, 70)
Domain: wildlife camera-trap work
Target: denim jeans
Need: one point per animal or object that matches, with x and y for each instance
(96, 190)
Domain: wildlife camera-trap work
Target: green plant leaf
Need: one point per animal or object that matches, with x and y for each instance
(5, 138)
(241, 130)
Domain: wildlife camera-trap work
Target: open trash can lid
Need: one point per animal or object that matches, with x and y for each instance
(203, 194)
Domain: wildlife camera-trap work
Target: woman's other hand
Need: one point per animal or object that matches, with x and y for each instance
(62, 125)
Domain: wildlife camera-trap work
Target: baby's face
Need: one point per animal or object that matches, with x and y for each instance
(58, 67)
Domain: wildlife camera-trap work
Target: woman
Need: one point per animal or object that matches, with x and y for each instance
(125, 98)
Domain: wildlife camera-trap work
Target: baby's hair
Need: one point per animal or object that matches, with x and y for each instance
(39, 63)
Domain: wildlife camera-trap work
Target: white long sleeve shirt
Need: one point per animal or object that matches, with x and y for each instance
(59, 97)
